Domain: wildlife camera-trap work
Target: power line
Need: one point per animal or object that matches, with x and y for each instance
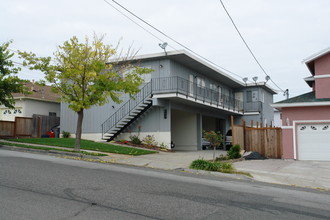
(135, 22)
(247, 46)
(164, 34)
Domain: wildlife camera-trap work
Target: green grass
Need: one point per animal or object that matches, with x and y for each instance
(84, 145)
(201, 164)
(217, 166)
(49, 148)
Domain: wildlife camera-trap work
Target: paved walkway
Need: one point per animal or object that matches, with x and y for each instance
(164, 160)
(315, 174)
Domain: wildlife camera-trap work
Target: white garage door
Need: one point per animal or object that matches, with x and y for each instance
(313, 141)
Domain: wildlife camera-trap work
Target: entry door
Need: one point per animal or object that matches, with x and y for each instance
(313, 141)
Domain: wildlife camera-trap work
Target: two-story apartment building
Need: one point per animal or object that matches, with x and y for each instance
(182, 97)
(306, 118)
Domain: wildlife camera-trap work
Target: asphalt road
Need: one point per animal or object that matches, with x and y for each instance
(44, 187)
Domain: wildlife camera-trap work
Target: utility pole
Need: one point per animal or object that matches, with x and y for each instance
(286, 92)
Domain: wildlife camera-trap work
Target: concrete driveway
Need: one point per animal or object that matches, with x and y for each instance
(314, 174)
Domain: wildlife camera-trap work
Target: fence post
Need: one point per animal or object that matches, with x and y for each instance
(244, 135)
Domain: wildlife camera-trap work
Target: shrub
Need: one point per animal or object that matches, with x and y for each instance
(135, 139)
(66, 134)
(234, 152)
(215, 139)
(201, 164)
(149, 140)
(162, 145)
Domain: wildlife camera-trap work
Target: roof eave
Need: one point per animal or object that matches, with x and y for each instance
(299, 104)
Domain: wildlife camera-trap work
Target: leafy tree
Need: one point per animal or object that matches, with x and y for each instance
(215, 139)
(82, 75)
(9, 82)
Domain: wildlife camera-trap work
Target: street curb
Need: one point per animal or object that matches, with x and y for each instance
(48, 152)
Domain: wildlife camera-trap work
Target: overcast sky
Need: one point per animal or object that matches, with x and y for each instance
(281, 33)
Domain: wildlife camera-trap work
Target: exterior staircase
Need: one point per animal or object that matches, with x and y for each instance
(127, 113)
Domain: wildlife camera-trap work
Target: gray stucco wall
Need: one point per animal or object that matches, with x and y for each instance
(93, 117)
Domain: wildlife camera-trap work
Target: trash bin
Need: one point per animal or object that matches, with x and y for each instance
(51, 134)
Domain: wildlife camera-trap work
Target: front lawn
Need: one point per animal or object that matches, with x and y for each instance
(50, 148)
(84, 145)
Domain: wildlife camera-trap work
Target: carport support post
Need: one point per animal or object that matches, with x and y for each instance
(232, 130)
(199, 131)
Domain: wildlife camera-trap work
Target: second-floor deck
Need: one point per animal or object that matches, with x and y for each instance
(183, 88)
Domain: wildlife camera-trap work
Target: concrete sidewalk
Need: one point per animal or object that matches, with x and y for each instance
(314, 174)
(164, 160)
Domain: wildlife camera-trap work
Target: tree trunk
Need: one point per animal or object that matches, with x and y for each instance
(213, 153)
(79, 129)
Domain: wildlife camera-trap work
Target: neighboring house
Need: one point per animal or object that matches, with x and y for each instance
(41, 101)
(306, 118)
(182, 97)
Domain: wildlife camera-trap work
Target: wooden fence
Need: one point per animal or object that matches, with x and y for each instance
(265, 140)
(21, 127)
(36, 126)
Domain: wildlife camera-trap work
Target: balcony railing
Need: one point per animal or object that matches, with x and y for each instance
(190, 89)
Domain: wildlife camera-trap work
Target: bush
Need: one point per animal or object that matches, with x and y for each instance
(201, 164)
(215, 139)
(149, 140)
(135, 139)
(234, 152)
(66, 134)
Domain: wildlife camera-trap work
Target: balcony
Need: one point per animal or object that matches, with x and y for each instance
(180, 87)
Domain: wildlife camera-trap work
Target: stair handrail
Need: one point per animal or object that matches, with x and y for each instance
(126, 108)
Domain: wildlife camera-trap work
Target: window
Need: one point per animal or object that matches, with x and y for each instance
(52, 114)
(251, 96)
(200, 82)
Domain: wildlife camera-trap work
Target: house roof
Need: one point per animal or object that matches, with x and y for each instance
(316, 55)
(307, 99)
(38, 92)
(309, 80)
(309, 61)
(200, 66)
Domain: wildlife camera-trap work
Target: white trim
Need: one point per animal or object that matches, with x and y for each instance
(167, 95)
(312, 121)
(175, 95)
(300, 104)
(316, 55)
(322, 76)
(295, 133)
(251, 113)
(294, 140)
(287, 127)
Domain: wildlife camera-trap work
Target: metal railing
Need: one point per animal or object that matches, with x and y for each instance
(181, 86)
(126, 108)
(255, 106)
(190, 89)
